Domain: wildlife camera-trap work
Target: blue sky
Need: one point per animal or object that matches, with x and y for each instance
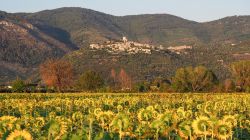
(197, 10)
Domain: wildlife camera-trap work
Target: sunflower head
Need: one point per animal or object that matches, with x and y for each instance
(105, 118)
(209, 108)
(52, 115)
(39, 122)
(188, 114)
(230, 119)
(8, 122)
(201, 125)
(77, 116)
(180, 113)
(57, 128)
(97, 111)
(119, 108)
(184, 129)
(19, 135)
(120, 122)
(145, 114)
(150, 108)
(223, 130)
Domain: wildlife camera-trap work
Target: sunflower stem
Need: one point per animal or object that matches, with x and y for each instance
(90, 130)
(157, 135)
(120, 133)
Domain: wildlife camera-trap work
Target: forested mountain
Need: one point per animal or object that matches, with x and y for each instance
(27, 39)
(23, 47)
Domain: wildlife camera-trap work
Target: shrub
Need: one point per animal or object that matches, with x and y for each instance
(18, 86)
(90, 81)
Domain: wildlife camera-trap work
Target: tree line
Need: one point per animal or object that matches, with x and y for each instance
(58, 76)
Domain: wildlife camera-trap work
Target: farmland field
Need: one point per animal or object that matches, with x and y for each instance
(124, 116)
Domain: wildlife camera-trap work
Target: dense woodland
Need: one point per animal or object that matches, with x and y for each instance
(57, 75)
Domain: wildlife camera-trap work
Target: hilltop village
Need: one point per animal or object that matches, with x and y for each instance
(132, 47)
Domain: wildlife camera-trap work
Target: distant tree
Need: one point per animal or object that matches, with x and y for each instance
(90, 81)
(165, 86)
(229, 85)
(125, 80)
(219, 88)
(191, 79)
(141, 87)
(113, 77)
(241, 74)
(57, 73)
(113, 74)
(160, 84)
(18, 86)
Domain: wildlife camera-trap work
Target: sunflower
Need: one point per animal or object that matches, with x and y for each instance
(184, 129)
(119, 108)
(199, 106)
(180, 113)
(157, 124)
(77, 116)
(7, 122)
(97, 111)
(209, 108)
(39, 122)
(145, 114)
(105, 118)
(188, 114)
(22, 135)
(57, 128)
(168, 121)
(223, 130)
(158, 107)
(201, 126)
(120, 122)
(150, 108)
(230, 119)
(52, 115)
(247, 125)
(8, 118)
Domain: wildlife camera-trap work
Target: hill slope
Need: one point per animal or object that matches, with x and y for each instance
(86, 26)
(23, 47)
(27, 39)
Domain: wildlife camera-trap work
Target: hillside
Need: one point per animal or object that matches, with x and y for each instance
(23, 47)
(146, 62)
(86, 26)
(27, 39)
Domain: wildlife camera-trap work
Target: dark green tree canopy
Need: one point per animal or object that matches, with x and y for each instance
(90, 81)
(241, 74)
(18, 85)
(191, 79)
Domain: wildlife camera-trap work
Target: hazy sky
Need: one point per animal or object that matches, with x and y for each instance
(198, 10)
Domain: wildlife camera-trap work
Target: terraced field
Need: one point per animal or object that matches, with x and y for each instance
(124, 116)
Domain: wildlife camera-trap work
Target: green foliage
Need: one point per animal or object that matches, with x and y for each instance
(141, 87)
(241, 74)
(248, 89)
(229, 85)
(18, 85)
(90, 81)
(191, 79)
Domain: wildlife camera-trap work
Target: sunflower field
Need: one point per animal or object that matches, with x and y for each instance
(82, 116)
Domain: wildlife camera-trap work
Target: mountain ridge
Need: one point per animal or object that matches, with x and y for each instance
(74, 29)
(63, 8)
